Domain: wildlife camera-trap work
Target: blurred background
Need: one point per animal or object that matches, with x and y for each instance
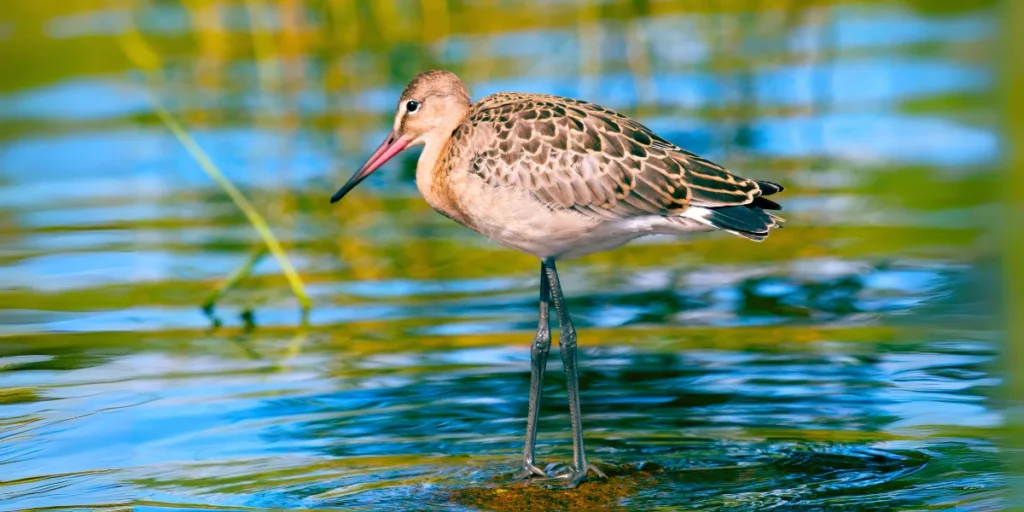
(855, 360)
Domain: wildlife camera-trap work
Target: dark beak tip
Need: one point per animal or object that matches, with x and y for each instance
(384, 152)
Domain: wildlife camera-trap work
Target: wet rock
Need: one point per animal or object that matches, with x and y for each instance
(505, 494)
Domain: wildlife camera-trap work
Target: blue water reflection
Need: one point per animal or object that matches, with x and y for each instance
(847, 363)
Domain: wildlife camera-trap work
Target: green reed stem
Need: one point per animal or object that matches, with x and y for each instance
(239, 199)
(232, 280)
(143, 56)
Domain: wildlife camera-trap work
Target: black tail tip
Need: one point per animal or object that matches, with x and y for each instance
(747, 221)
(769, 187)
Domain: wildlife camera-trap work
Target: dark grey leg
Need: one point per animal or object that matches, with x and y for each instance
(538, 363)
(567, 343)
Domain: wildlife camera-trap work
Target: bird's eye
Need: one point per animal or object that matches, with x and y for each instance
(412, 106)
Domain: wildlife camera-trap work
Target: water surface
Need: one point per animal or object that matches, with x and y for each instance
(849, 362)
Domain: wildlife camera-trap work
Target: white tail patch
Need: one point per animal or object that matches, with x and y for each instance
(698, 214)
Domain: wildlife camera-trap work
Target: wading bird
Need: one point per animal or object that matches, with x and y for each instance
(559, 178)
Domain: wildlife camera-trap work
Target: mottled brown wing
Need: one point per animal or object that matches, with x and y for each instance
(581, 156)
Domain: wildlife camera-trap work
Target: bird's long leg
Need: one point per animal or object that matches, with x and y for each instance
(538, 363)
(567, 344)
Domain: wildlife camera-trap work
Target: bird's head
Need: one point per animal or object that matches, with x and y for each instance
(430, 108)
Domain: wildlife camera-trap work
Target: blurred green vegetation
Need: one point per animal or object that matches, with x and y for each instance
(1013, 240)
(886, 254)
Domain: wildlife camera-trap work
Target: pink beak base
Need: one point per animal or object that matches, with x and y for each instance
(391, 146)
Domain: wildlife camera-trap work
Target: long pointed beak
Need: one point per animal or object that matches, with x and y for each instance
(391, 146)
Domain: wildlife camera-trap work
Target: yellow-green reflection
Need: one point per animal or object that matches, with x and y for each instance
(849, 360)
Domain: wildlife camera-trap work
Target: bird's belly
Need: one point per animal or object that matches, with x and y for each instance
(516, 219)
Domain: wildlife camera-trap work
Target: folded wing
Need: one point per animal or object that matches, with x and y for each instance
(580, 156)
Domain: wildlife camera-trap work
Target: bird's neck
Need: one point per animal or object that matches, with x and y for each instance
(431, 176)
(429, 157)
(434, 167)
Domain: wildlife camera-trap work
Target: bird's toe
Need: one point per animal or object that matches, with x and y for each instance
(529, 470)
(577, 476)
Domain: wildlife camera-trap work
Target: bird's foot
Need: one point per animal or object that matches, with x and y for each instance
(529, 470)
(576, 476)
